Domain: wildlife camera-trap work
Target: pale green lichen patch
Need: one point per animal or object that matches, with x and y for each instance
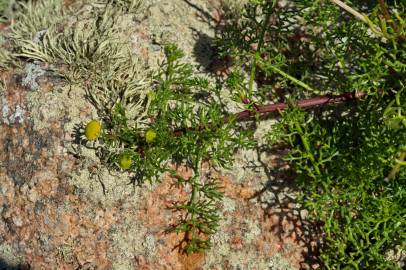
(32, 17)
(127, 239)
(9, 257)
(45, 108)
(6, 58)
(101, 186)
(91, 49)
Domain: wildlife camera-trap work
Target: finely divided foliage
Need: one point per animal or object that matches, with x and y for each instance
(92, 50)
(349, 158)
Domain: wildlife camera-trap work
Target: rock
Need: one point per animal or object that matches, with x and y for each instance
(17, 220)
(39, 207)
(149, 245)
(268, 197)
(304, 213)
(33, 195)
(167, 8)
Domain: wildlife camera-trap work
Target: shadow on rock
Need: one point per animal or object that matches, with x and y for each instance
(279, 200)
(203, 50)
(6, 266)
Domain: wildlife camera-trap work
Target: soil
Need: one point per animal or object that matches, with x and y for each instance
(59, 211)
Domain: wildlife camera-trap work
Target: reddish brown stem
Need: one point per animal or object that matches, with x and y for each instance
(384, 10)
(388, 18)
(305, 103)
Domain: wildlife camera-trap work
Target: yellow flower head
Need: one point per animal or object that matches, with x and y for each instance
(92, 130)
(150, 136)
(151, 95)
(125, 161)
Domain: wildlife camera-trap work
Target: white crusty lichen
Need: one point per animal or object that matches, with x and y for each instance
(32, 72)
(10, 115)
(149, 245)
(278, 262)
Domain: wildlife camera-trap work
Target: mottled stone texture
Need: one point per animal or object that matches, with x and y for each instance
(53, 214)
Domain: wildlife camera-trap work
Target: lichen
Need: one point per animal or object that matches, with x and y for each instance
(127, 239)
(149, 245)
(9, 258)
(11, 115)
(32, 72)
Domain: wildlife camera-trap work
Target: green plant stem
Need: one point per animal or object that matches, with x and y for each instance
(398, 165)
(362, 17)
(349, 9)
(305, 143)
(192, 214)
(294, 80)
(257, 53)
(388, 18)
(193, 197)
(252, 75)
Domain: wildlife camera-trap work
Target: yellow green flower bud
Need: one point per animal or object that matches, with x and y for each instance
(125, 162)
(150, 136)
(92, 130)
(151, 95)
